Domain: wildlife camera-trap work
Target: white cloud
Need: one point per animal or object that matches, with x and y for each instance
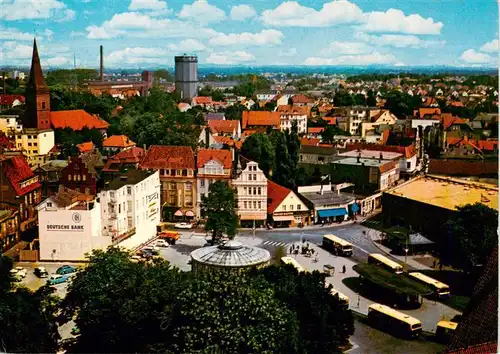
(470, 56)
(399, 40)
(134, 24)
(362, 59)
(264, 37)
(33, 9)
(242, 12)
(14, 50)
(339, 48)
(291, 13)
(188, 46)
(227, 58)
(67, 15)
(74, 34)
(490, 47)
(15, 34)
(55, 61)
(48, 34)
(201, 11)
(394, 20)
(291, 52)
(147, 5)
(136, 56)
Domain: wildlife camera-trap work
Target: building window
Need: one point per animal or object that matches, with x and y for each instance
(244, 205)
(408, 164)
(173, 173)
(84, 177)
(35, 144)
(244, 190)
(129, 190)
(70, 177)
(284, 207)
(254, 190)
(298, 206)
(49, 204)
(43, 105)
(260, 205)
(291, 206)
(254, 204)
(202, 183)
(189, 186)
(119, 208)
(259, 191)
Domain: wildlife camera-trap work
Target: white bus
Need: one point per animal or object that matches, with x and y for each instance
(337, 245)
(441, 289)
(378, 259)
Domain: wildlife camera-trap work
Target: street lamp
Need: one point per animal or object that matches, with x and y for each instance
(406, 249)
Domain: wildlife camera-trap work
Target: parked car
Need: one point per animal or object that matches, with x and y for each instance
(57, 279)
(15, 276)
(145, 253)
(151, 249)
(136, 259)
(65, 269)
(21, 272)
(161, 243)
(41, 272)
(183, 225)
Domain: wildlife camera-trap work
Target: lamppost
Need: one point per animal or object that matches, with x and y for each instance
(406, 249)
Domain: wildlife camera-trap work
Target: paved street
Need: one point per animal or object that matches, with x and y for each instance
(368, 340)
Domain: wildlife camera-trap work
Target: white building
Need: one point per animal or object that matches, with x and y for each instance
(290, 114)
(70, 226)
(251, 186)
(213, 165)
(131, 207)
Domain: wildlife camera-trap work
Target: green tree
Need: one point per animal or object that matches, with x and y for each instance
(162, 74)
(234, 112)
(343, 99)
(324, 328)
(371, 99)
(472, 234)
(293, 146)
(217, 313)
(220, 210)
(401, 104)
(28, 321)
(259, 148)
(359, 100)
(282, 174)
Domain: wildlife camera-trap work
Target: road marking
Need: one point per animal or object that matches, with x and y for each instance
(274, 243)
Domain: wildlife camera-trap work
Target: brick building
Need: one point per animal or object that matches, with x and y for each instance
(79, 177)
(176, 166)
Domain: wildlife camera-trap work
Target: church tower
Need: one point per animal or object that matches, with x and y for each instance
(37, 96)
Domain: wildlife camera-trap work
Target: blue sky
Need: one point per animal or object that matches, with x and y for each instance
(145, 33)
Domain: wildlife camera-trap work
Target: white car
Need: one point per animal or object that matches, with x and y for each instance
(19, 272)
(161, 243)
(184, 225)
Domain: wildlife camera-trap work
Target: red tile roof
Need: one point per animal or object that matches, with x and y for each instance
(488, 145)
(315, 130)
(203, 100)
(17, 170)
(77, 120)
(449, 120)
(260, 118)
(387, 166)
(8, 100)
(310, 142)
(229, 141)
(130, 156)
(173, 157)
(300, 98)
(85, 147)
(294, 110)
(421, 112)
(222, 156)
(486, 348)
(120, 141)
(385, 136)
(223, 126)
(275, 195)
(463, 168)
(406, 151)
(330, 120)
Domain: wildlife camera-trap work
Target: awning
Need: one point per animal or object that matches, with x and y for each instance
(283, 218)
(354, 207)
(253, 216)
(332, 212)
(189, 213)
(178, 213)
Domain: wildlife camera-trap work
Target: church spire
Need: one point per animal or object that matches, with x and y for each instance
(36, 79)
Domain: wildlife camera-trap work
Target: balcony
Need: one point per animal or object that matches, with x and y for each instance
(119, 238)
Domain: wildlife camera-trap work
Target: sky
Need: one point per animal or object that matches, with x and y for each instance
(149, 33)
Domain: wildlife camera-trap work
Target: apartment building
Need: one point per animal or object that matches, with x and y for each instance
(251, 186)
(290, 114)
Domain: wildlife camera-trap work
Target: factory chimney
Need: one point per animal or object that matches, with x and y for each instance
(101, 76)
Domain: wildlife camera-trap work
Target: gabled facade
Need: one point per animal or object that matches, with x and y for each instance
(284, 207)
(213, 165)
(79, 177)
(176, 166)
(251, 186)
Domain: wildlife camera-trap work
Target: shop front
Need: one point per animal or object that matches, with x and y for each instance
(332, 215)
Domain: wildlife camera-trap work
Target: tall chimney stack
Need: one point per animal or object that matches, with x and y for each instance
(102, 66)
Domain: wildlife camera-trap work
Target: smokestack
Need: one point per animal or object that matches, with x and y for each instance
(102, 66)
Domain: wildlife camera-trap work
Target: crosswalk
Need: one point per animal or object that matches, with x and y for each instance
(274, 243)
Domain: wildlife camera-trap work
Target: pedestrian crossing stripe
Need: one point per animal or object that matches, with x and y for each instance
(274, 243)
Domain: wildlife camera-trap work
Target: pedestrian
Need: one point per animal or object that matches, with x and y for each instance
(343, 269)
(358, 301)
(440, 266)
(291, 249)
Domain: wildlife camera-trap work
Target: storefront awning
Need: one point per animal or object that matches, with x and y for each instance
(253, 216)
(178, 213)
(283, 218)
(189, 213)
(332, 212)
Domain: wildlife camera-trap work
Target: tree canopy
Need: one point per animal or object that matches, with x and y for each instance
(120, 306)
(220, 210)
(472, 232)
